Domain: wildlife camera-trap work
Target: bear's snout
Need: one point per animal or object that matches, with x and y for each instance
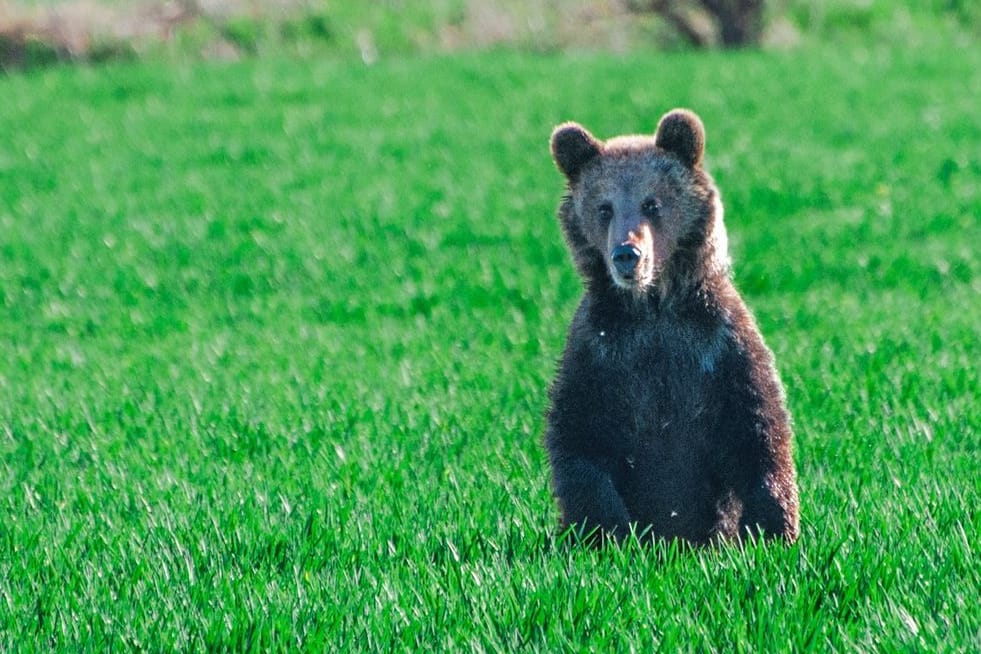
(630, 256)
(625, 259)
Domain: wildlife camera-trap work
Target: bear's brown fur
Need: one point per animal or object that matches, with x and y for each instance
(667, 415)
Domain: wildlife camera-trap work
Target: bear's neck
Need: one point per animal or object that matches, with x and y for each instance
(683, 287)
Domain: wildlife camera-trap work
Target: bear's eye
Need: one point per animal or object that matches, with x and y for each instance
(605, 211)
(650, 208)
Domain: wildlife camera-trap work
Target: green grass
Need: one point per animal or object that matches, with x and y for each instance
(276, 338)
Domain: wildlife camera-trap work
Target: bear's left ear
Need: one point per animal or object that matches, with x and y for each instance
(572, 148)
(681, 133)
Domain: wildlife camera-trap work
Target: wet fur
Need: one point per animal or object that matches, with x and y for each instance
(667, 415)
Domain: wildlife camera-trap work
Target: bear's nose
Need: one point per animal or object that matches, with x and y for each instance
(625, 258)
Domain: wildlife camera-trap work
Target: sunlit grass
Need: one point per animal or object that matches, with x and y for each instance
(277, 336)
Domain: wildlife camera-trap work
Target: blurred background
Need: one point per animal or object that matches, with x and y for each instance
(37, 33)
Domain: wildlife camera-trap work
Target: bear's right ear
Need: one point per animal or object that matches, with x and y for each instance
(572, 148)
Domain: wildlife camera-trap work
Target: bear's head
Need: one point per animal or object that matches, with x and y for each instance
(641, 212)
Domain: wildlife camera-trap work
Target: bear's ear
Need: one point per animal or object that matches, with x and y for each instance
(681, 133)
(572, 148)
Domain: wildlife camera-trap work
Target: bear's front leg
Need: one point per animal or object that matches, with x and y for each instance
(755, 461)
(770, 505)
(758, 467)
(587, 497)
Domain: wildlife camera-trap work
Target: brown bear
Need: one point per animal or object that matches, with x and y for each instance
(667, 416)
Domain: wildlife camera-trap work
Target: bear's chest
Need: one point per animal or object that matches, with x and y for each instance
(666, 386)
(663, 380)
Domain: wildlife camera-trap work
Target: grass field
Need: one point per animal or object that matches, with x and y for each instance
(276, 337)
